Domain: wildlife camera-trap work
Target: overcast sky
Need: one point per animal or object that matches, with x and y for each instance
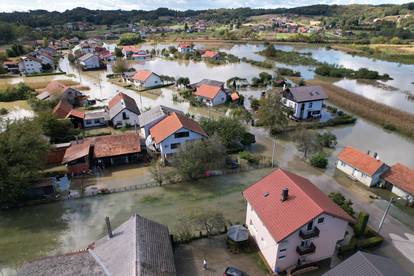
(61, 5)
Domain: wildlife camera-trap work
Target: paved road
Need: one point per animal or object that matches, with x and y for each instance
(399, 238)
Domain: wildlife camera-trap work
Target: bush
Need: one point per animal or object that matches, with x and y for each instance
(319, 160)
(20, 92)
(249, 157)
(288, 72)
(130, 39)
(361, 224)
(370, 242)
(3, 111)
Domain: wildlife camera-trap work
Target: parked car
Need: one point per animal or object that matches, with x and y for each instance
(232, 271)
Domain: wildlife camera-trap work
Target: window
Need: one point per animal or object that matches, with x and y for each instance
(282, 250)
(282, 257)
(321, 220)
(310, 105)
(182, 134)
(125, 116)
(97, 121)
(175, 145)
(342, 163)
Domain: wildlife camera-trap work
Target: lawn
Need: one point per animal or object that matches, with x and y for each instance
(15, 105)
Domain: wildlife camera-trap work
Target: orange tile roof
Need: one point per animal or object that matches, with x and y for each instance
(184, 45)
(360, 160)
(62, 109)
(76, 113)
(207, 91)
(130, 48)
(210, 54)
(401, 176)
(142, 75)
(76, 151)
(113, 145)
(55, 87)
(172, 123)
(305, 202)
(235, 96)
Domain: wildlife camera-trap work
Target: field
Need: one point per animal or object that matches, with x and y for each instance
(15, 105)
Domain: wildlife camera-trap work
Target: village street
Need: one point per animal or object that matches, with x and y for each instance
(399, 238)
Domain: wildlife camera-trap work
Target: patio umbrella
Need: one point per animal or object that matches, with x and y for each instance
(238, 233)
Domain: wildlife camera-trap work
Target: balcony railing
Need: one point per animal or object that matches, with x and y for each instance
(303, 250)
(309, 234)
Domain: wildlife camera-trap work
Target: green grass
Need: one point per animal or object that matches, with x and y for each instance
(15, 105)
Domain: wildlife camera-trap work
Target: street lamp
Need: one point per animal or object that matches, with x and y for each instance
(386, 211)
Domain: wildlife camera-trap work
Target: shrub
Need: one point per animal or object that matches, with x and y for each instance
(370, 242)
(249, 157)
(319, 160)
(389, 127)
(3, 111)
(361, 224)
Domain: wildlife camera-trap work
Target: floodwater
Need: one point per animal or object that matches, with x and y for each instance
(32, 232)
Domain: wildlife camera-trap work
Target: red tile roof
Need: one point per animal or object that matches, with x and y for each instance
(235, 96)
(114, 145)
(210, 54)
(401, 176)
(76, 113)
(130, 48)
(172, 123)
(142, 75)
(184, 45)
(55, 87)
(360, 160)
(62, 109)
(305, 203)
(207, 91)
(76, 151)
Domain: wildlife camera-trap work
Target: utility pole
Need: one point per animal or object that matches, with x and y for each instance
(386, 212)
(273, 153)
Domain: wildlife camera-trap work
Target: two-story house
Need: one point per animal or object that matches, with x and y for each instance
(361, 166)
(292, 221)
(30, 65)
(305, 101)
(151, 117)
(170, 133)
(90, 61)
(123, 111)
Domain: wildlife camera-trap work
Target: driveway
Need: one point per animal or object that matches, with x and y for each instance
(189, 258)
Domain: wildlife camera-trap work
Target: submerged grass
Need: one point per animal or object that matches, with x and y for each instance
(381, 114)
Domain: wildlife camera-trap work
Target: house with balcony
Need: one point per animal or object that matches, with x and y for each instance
(170, 133)
(292, 221)
(306, 102)
(361, 166)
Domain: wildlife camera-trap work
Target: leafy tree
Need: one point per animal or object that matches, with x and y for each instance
(327, 139)
(229, 131)
(319, 160)
(22, 156)
(186, 27)
(157, 172)
(45, 42)
(118, 52)
(196, 157)
(130, 39)
(120, 66)
(210, 221)
(183, 82)
(254, 104)
(58, 130)
(271, 113)
(15, 50)
(307, 141)
(241, 114)
(21, 91)
(2, 70)
(340, 200)
(361, 224)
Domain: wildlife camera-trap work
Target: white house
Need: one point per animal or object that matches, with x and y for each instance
(170, 133)
(30, 65)
(146, 79)
(90, 61)
(400, 180)
(185, 48)
(361, 166)
(96, 118)
(151, 117)
(129, 50)
(292, 221)
(211, 95)
(123, 111)
(305, 101)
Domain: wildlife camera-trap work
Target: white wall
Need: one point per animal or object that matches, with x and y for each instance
(220, 98)
(355, 173)
(401, 193)
(94, 122)
(165, 146)
(30, 67)
(118, 120)
(309, 106)
(282, 255)
(151, 81)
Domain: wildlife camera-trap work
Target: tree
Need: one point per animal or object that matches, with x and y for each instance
(241, 114)
(229, 131)
(307, 141)
(327, 139)
(340, 200)
(186, 27)
(361, 224)
(319, 160)
(210, 221)
(157, 172)
(22, 156)
(2, 70)
(45, 42)
(120, 66)
(130, 39)
(196, 157)
(118, 52)
(183, 82)
(58, 130)
(271, 113)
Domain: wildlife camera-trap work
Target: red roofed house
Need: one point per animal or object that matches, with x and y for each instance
(211, 95)
(361, 166)
(62, 109)
(185, 48)
(129, 50)
(123, 111)
(77, 157)
(211, 55)
(146, 79)
(292, 221)
(171, 132)
(400, 180)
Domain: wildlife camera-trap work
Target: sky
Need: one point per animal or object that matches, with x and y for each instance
(62, 5)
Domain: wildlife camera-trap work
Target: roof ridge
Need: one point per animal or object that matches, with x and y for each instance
(369, 262)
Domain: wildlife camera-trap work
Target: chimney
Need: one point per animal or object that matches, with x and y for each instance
(285, 194)
(375, 155)
(108, 227)
(368, 152)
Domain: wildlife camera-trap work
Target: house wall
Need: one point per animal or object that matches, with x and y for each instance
(118, 120)
(308, 106)
(152, 81)
(30, 67)
(165, 146)
(361, 176)
(282, 255)
(91, 63)
(220, 98)
(401, 193)
(94, 122)
(184, 50)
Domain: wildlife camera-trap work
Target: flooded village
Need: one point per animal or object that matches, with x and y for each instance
(179, 100)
